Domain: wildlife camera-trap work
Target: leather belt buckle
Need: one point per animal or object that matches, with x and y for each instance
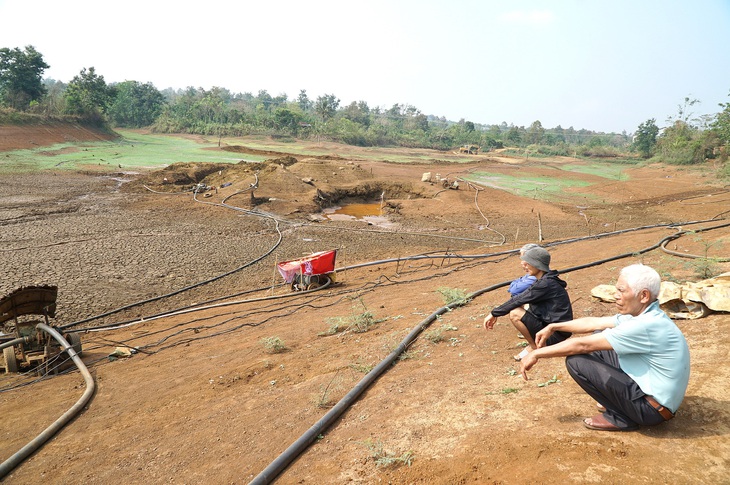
(664, 412)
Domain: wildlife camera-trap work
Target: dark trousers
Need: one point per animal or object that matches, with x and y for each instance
(534, 325)
(599, 374)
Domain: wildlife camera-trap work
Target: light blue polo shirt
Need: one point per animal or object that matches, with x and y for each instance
(653, 352)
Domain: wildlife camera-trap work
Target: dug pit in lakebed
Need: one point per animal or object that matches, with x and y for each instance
(374, 213)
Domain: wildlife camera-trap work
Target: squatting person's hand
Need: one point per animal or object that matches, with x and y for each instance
(542, 336)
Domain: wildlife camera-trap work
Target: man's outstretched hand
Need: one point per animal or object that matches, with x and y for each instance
(542, 336)
(526, 364)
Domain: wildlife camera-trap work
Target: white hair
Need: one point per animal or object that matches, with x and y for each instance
(527, 246)
(640, 277)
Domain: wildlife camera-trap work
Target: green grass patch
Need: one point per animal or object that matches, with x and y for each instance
(553, 380)
(536, 187)
(608, 171)
(133, 151)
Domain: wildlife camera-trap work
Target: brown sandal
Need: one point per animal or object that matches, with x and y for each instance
(599, 423)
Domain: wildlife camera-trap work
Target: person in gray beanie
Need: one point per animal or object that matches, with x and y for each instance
(543, 303)
(527, 280)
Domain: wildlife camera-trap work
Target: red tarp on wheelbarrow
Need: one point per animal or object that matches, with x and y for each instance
(322, 262)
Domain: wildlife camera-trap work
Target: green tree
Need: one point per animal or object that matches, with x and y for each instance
(645, 138)
(278, 101)
(534, 133)
(305, 104)
(358, 112)
(53, 102)
(326, 106)
(680, 144)
(683, 111)
(514, 136)
(352, 133)
(596, 141)
(21, 74)
(135, 104)
(461, 133)
(211, 108)
(414, 120)
(553, 138)
(263, 100)
(287, 120)
(721, 124)
(87, 94)
(420, 122)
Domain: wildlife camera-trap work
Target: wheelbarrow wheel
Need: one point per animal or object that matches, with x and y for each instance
(11, 362)
(317, 282)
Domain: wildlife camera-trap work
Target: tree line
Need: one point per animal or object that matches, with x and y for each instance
(220, 112)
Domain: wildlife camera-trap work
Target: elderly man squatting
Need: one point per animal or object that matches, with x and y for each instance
(635, 364)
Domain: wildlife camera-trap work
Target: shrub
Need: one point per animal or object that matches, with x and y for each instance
(357, 322)
(385, 458)
(273, 345)
(453, 295)
(705, 266)
(436, 335)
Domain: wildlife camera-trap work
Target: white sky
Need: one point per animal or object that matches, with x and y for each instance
(599, 65)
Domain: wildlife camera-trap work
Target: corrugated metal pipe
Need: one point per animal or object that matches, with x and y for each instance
(8, 465)
(10, 343)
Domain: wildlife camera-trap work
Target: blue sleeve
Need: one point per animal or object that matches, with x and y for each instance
(521, 284)
(629, 339)
(528, 295)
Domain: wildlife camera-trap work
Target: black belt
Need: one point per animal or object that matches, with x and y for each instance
(665, 412)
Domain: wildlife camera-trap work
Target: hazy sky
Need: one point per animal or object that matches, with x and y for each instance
(600, 65)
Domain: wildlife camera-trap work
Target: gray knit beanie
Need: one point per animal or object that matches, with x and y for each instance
(537, 257)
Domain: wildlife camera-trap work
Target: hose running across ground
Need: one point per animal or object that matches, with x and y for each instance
(295, 449)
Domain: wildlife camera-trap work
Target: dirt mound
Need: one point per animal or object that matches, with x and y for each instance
(370, 191)
(251, 151)
(45, 133)
(183, 173)
(282, 185)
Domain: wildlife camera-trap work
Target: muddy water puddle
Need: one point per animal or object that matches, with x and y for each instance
(372, 213)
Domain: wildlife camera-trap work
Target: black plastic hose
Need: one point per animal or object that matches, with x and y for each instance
(283, 460)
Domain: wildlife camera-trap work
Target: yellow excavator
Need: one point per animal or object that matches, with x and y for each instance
(469, 149)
